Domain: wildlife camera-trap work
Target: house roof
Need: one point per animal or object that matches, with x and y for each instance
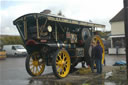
(118, 17)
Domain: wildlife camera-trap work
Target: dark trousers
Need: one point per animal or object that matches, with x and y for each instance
(99, 65)
(92, 64)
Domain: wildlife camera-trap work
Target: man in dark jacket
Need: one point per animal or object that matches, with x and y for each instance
(98, 56)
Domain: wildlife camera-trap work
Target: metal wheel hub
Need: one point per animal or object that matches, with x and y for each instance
(35, 63)
(62, 63)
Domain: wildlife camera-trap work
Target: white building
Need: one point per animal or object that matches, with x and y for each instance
(117, 33)
(117, 24)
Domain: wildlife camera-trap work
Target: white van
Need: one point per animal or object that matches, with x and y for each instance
(15, 50)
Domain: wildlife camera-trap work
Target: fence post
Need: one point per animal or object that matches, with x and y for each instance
(126, 31)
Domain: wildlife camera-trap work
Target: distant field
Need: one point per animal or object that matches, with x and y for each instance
(10, 39)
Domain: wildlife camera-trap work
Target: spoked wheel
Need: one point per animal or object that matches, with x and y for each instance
(61, 63)
(35, 64)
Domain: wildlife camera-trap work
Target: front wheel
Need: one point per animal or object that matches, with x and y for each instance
(35, 64)
(61, 63)
(15, 55)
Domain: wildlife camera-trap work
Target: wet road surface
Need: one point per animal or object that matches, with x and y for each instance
(13, 72)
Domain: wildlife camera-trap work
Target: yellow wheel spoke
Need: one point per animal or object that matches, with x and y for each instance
(65, 66)
(60, 57)
(58, 69)
(32, 68)
(31, 64)
(40, 68)
(58, 63)
(36, 69)
(31, 60)
(64, 56)
(63, 71)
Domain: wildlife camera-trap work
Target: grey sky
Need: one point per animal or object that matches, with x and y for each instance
(98, 11)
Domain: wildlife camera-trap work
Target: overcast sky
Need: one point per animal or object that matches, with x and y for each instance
(98, 11)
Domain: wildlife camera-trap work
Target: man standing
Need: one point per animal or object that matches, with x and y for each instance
(98, 55)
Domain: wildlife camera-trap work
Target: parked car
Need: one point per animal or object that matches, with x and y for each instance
(15, 50)
(2, 54)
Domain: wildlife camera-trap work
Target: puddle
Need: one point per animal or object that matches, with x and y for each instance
(116, 77)
(98, 81)
(82, 82)
(47, 82)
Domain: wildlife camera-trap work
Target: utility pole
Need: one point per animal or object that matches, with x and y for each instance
(126, 30)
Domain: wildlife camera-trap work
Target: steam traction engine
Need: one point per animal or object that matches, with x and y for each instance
(55, 41)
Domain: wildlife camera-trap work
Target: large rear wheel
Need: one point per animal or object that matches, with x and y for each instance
(35, 64)
(61, 63)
